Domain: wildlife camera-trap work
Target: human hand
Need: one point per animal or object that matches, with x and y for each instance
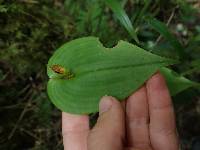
(145, 121)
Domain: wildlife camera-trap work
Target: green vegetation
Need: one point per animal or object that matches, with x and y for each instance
(31, 30)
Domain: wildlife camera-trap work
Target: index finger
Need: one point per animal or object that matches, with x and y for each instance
(75, 130)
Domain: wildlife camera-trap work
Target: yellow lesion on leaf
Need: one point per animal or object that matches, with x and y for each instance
(58, 69)
(65, 73)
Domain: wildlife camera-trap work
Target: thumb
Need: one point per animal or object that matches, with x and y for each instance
(109, 131)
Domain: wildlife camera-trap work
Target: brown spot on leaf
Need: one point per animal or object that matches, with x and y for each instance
(58, 69)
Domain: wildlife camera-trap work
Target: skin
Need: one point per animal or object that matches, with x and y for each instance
(145, 121)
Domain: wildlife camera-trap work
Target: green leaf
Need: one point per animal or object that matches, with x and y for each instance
(164, 31)
(121, 15)
(176, 83)
(83, 70)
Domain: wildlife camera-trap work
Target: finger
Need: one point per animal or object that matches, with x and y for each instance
(123, 103)
(131, 148)
(108, 133)
(75, 130)
(162, 120)
(137, 119)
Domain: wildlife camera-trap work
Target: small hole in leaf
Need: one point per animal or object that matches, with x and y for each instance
(108, 44)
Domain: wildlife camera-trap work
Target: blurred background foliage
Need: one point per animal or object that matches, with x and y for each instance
(31, 30)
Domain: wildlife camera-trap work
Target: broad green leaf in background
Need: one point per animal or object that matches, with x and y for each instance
(176, 82)
(83, 70)
(121, 15)
(164, 31)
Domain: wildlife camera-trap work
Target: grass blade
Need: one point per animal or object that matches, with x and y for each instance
(121, 15)
(164, 31)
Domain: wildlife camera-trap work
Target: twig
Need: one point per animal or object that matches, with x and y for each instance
(30, 133)
(25, 108)
(23, 90)
(30, 1)
(19, 119)
(12, 106)
(168, 22)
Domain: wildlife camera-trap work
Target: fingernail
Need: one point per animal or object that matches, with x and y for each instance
(105, 104)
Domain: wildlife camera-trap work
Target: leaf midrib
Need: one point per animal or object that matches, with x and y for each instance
(117, 67)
